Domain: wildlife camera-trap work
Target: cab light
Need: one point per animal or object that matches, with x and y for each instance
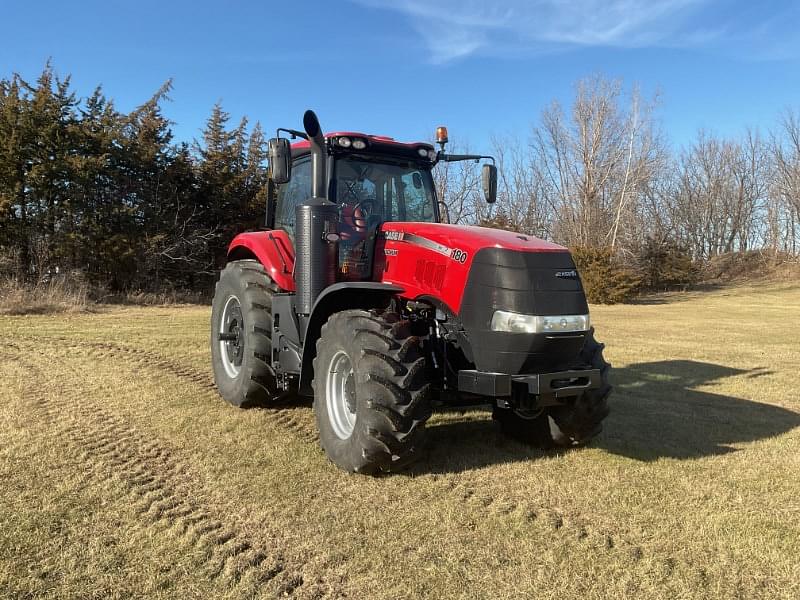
(344, 142)
(423, 152)
(359, 144)
(512, 322)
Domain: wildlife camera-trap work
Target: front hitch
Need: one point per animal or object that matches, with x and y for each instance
(529, 392)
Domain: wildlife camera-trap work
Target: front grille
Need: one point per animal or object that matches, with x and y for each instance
(526, 283)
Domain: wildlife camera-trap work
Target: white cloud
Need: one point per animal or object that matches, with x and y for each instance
(457, 28)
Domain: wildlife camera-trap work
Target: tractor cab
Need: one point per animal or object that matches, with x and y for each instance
(372, 180)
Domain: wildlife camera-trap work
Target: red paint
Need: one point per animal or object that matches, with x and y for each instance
(419, 270)
(425, 272)
(354, 134)
(276, 254)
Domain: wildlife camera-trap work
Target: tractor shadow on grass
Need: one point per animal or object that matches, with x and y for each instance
(655, 413)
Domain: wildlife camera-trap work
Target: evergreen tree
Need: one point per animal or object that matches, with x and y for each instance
(84, 186)
(16, 143)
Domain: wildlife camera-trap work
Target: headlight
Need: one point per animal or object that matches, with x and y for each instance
(511, 322)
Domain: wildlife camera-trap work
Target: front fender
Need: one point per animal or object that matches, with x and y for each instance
(338, 297)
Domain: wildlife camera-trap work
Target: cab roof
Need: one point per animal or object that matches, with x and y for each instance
(376, 145)
(382, 139)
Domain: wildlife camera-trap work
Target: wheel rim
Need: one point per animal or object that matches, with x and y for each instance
(340, 395)
(231, 326)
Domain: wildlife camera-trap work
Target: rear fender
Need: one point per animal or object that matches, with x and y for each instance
(273, 249)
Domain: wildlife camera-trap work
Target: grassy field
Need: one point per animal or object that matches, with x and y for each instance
(122, 473)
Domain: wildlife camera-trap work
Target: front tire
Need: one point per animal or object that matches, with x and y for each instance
(241, 331)
(573, 424)
(370, 396)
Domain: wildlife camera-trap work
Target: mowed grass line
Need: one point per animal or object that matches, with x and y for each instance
(690, 492)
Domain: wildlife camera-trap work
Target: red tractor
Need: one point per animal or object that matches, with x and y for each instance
(358, 294)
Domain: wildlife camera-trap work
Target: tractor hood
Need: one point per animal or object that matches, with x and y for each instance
(473, 272)
(434, 260)
(464, 239)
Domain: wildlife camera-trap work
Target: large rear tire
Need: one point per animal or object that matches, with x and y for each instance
(241, 332)
(370, 396)
(573, 424)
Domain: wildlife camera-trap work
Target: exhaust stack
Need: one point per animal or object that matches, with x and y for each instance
(316, 229)
(319, 158)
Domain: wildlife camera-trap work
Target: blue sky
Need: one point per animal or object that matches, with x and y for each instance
(401, 67)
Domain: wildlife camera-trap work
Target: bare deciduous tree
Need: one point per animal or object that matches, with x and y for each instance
(784, 210)
(720, 193)
(459, 188)
(597, 162)
(521, 197)
(599, 174)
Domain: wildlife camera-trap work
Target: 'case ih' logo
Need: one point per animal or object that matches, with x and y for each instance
(567, 274)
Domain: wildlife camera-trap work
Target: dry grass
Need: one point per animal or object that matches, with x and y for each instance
(751, 266)
(167, 297)
(74, 295)
(57, 295)
(124, 474)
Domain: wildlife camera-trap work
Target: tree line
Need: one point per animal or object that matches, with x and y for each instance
(108, 195)
(86, 188)
(600, 175)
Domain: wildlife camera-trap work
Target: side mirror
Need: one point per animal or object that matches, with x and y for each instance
(280, 159)
(489, 178)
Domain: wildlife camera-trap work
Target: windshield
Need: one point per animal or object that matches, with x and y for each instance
(386, 191)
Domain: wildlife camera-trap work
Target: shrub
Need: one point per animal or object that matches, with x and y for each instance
(499, 221)
(10, 263)
(605, 279)
(665, 265)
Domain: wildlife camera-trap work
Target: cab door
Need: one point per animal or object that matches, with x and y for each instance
(289, 195)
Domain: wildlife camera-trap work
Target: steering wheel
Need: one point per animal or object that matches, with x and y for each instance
(367, 207)
(357, 215)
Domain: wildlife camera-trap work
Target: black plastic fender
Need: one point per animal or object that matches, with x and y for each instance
(335, 298)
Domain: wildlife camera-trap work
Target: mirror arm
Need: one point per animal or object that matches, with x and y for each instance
(458, 157)
(292, 132)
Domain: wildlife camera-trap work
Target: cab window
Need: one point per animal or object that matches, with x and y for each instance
(386, 191)
(289, 195)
